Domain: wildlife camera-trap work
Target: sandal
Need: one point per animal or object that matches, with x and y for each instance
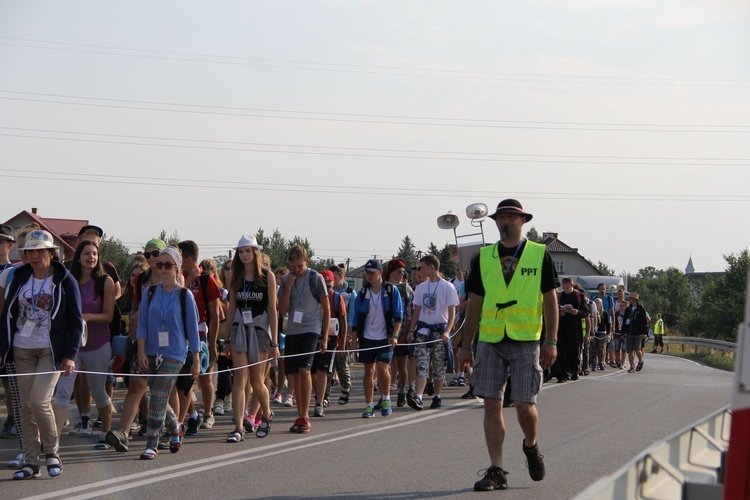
(18, 461)
(27, 472)
(235, 437)
(54, 465)
(175, 442)
(461, 382)
(585, 372)
(149, 454)
(265, 427)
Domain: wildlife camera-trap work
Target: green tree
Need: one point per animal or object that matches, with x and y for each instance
(173, 239)
(447, 264)
(666, 292)
(408, 252)
(113, 250)
(722, 303)
(276, 247)
(533, 235)
(603, 268)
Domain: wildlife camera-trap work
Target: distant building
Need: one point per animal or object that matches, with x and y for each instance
(567, 260)
(63, 231)
(701, 277)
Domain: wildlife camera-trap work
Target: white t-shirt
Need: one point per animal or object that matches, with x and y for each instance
(434, 300)
(37, 307)
(375, 328)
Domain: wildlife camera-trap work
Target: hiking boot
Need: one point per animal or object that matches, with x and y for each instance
(494, 478)
(437, 402)
(534, 461)
(401, 401)
(118, 440)
(385, 408)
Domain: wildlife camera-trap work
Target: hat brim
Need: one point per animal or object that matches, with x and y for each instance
(528, 216)
(6, 237)
(39, 247)
(259, 247)
(99, 230)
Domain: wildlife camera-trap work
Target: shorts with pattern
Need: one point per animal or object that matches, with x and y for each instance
(426, 352)
(494, 363)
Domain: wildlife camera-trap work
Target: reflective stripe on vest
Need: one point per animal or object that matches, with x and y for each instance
(523, 320)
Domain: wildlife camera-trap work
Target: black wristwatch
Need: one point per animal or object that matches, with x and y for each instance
(274, 345)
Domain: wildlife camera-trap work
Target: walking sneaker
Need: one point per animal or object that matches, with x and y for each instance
(164, 441)
(219, 407)
(277, 398)
(296, 425)
(437, 402)
(76, 430)
(385, 408)
(469, 394)
(208, 421)
(344, 398)
(319, 412)
(249, 424)
(98, 422)
(369, 410)
(304, 426)
(86, 429)
(534, 461)
(118, 440)
(8, 429)
(414, 402)
(289, 401)
(379, 404)
(430, 389)
(192, 426)
(494, 478)
(401, 401)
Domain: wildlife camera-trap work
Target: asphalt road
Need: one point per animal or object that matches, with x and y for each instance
(588, 429)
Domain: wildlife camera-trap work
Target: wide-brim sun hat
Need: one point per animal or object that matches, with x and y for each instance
(248, 241)
(511, 206)
(39, 240)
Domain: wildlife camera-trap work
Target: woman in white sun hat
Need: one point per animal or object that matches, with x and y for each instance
(253, 334)
(40, 330)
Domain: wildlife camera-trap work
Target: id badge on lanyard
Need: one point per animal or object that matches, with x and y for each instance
(297, 318)
(28, 327)
(247, 316)
(163, 337)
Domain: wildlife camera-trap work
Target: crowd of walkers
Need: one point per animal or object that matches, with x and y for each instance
(244, 332)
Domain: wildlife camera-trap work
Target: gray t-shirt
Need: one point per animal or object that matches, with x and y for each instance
(303, 300)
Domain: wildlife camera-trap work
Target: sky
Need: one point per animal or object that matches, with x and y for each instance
(621, 125)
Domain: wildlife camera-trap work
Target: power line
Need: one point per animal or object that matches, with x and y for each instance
(382, 70)
(361, 115)
(450, 123)
(355, 190)
(483, 156)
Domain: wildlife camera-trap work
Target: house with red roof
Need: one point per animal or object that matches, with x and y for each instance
(63, 231)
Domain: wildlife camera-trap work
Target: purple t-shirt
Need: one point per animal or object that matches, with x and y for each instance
(92, 304)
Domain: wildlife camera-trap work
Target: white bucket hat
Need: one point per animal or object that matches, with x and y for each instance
(248, 241)
(39, 240)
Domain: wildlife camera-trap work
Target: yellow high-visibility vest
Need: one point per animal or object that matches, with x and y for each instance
(523, 319)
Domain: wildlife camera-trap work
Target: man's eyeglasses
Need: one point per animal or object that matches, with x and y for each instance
(153, 254)
(164, 265)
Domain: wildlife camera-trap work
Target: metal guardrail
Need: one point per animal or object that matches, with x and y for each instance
(686, 465)
(701, 342)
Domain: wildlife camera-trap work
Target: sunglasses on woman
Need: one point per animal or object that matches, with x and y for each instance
(164, 265)
(153, 254)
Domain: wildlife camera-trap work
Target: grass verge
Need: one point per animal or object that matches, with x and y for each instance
(715, 358)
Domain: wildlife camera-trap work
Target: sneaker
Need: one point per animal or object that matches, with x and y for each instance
(102, 443)
(289, 401)
(469, 394)
(430, 389)
(8, 428)
(494, 478)
(76, 430)
(534, 461)
(385, 408)
(118, 440)
(86, 429)
(208, 421)
(401, 400)
(414, 402)
(143, 429)
(295, 426)
(277, 398)
(326, 403)
(249, 424)
(631, 371)
(192, 426)
(98, 422)
(344, 398)
(379, 404)
(219, 407)
(437, 402)
(369, 410)
(319, 412)
(304, 425)
(164, 442)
